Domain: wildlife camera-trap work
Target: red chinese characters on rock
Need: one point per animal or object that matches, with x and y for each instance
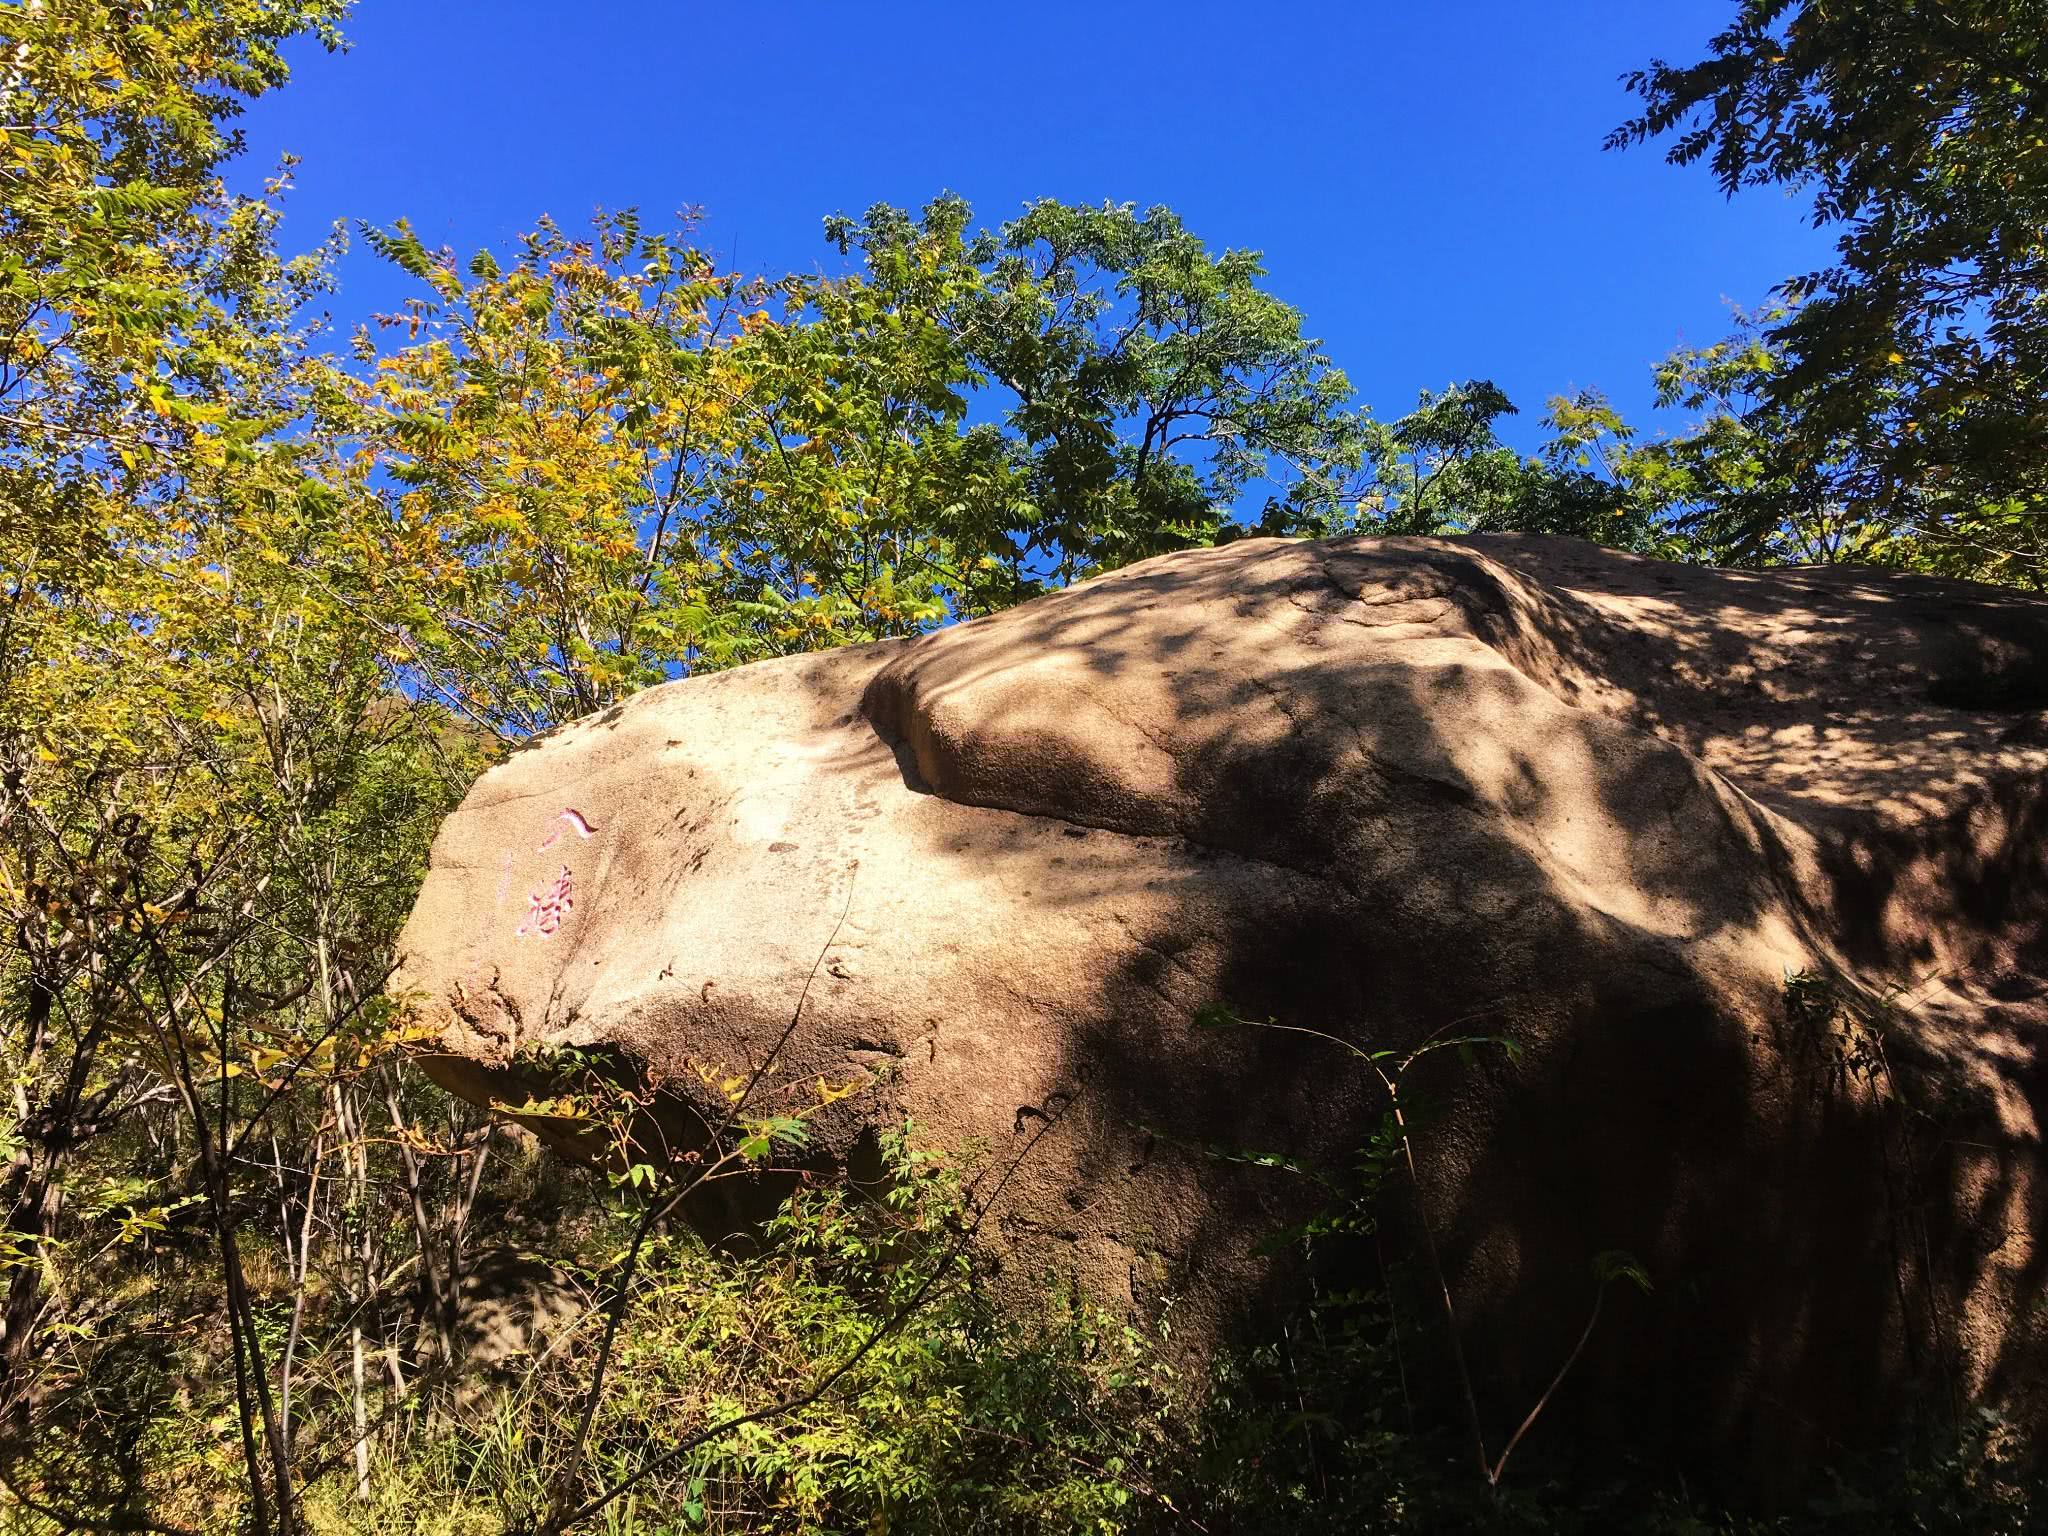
(547, 906)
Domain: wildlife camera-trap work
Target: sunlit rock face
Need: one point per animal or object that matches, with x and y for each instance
(1598, 805)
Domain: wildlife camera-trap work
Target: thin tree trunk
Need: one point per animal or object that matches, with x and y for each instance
(242, 1322)
(259, 1503)
(355, 1162)
(362, 1412)
(301, 1263)
(430, 1291)
(36, 1178)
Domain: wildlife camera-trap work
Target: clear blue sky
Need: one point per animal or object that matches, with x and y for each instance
(1426, 180)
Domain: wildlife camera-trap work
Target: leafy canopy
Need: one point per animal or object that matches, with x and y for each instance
(1911, 374)
(1142, 387)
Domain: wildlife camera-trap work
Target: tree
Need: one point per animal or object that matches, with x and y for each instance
(213, 796)
(860, 502)
(216, 801)
(133, 286)
(1740, 485)
(1443, 469)
(1912, 373)
(1143, 386)
(137, 295)
(607, 463)
(540, 447)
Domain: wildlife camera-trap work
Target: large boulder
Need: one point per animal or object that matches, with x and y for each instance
(1599, 805)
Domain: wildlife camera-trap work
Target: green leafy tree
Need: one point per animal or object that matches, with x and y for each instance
(1740, 484)
(1145, 389)
(606, 464)
(1443, 469)
(862, 502)
(1912, 373)
(134, 287)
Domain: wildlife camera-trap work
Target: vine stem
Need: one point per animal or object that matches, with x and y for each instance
(1443, 1285)
(1493, 1478)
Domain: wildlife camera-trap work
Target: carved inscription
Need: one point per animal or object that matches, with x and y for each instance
(547, 906)
(576, 822)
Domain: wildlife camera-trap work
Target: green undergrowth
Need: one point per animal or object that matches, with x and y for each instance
(955, 1416)
(954, 1420)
